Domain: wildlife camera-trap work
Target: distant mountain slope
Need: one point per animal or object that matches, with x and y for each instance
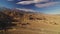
(32, 22)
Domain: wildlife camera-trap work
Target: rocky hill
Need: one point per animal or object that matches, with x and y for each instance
(31, 22)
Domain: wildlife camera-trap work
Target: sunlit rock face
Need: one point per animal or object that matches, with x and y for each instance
(32, 23)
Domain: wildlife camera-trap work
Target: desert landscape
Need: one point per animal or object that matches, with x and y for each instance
(28, 22)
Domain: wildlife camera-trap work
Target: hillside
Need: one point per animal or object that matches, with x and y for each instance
(31, 22)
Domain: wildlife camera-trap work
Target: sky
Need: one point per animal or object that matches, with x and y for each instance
(44, 6)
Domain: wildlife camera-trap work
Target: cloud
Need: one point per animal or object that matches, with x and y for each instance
(31, 1)
(39, 3)
(25, 2)
(47, 4)
(24, 9)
